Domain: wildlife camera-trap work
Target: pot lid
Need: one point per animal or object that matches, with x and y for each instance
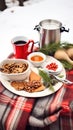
(50, 24)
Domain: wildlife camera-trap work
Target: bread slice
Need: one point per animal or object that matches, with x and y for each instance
(34, 76)
(41, 88)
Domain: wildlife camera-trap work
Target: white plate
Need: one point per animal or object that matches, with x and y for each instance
(46, 92)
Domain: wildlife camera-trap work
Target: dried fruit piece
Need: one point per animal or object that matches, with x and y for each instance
(52, 66)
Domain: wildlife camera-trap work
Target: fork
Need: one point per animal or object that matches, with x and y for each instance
(66, 81)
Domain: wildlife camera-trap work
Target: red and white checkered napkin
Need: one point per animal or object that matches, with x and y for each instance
(48, 109)
(15, 110)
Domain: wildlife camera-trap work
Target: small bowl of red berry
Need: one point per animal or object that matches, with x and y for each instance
(54, 67)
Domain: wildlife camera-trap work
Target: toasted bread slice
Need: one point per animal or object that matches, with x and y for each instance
(41, 88)
(34, 76)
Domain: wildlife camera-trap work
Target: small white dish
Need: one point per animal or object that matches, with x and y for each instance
(54, 67)
(36, 58)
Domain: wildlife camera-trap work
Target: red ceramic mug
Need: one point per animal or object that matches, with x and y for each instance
(22, 47)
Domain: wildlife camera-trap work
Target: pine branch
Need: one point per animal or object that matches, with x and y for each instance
(50, 49)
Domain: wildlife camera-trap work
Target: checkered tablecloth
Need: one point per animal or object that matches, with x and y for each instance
(18, 113)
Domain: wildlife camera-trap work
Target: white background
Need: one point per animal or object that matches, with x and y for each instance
(22, 20)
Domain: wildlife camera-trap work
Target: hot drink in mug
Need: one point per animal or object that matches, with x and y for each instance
(22, 47)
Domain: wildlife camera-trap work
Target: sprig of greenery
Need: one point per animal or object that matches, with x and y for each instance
(66, 65)
(51, 88)
(45, 76)
(47, 79)
(66, 45)
(51, 48)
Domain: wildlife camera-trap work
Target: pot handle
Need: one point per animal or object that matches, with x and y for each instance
(37, 27)
(62, 29)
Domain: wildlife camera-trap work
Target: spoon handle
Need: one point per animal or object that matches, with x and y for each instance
(66, 81)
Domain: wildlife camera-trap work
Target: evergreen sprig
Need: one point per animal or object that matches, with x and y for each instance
(45, 76)
(51, 48)
(47, 79)
(66, 65)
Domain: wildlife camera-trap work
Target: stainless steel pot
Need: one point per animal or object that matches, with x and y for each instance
(50, 31)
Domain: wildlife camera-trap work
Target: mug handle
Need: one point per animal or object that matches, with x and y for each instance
(32, 45)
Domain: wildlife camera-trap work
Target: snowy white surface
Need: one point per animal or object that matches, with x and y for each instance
(22, 20)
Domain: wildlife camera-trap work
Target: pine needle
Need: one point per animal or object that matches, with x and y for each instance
(51, 48)
(47, 79)
(66, 65)
(45, 76)
(51, 88)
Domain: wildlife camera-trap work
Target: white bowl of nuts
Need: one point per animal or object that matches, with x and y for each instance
(14, 69)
